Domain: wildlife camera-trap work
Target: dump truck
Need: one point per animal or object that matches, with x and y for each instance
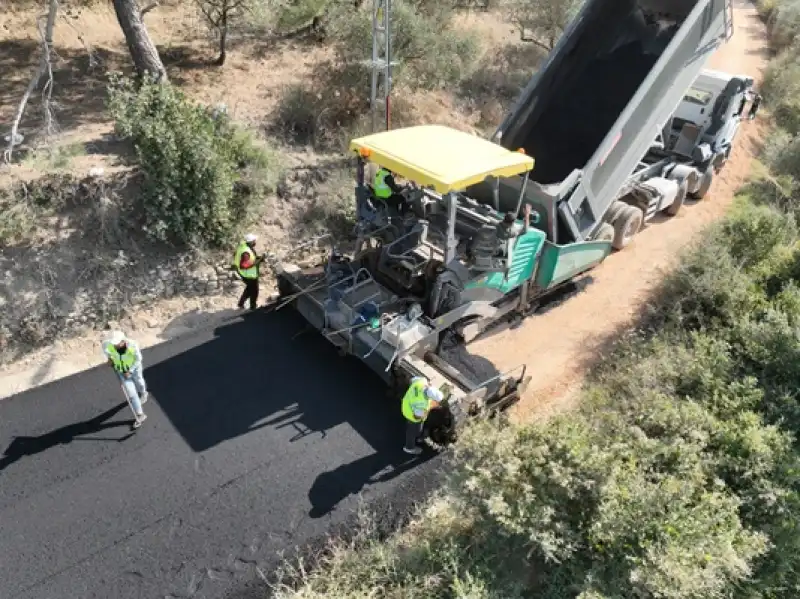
(606, 124)
(606, 118)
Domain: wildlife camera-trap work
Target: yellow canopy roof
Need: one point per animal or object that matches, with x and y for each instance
(443, 158)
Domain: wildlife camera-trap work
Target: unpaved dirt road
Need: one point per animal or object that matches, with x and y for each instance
(559, 345)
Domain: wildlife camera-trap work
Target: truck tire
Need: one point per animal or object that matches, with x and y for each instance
(626, 226)
(680, 198)
(721, 160)
(706, 179)
(604, 233)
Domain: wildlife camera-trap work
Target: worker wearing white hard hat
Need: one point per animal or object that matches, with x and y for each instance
(417, 403)
(246, 264)
(125, 357)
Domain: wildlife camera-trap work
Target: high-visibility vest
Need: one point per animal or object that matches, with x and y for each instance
(415, 399)
(247, 273)
(382, 190)
(122, 362)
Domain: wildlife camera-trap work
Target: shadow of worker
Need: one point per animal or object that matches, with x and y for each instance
(332, 487)
(21, 447)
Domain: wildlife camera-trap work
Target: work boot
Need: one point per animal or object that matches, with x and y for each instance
(414, 451)
(139, 419)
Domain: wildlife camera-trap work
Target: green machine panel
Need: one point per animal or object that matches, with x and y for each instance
(523, 262)
(559, 263)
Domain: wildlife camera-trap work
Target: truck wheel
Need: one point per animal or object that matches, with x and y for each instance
(605, 233)
(626, 225)
(677, 203)
(706, 180)
(721, 160)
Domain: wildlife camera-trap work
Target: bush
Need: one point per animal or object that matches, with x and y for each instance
(781, 90)
(202, 174)
(321, 114)
(430, 52)
(783, 21)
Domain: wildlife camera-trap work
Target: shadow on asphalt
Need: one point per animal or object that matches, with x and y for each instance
(267, 370)
(22, 447)
(334, 486)
(270, 370)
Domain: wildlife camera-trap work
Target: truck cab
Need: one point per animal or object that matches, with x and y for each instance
(709, 113)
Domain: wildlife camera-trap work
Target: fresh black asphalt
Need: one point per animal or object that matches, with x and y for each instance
(259, 440)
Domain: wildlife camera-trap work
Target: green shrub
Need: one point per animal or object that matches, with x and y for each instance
(202, 174)
(708, 289)
(299, 13)
(781, 89)
(18, 217)
(783, 21)
(431, 53)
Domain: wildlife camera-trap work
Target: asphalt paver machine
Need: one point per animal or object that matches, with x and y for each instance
(417, 284)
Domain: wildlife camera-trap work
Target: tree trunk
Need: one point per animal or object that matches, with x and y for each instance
(143, 51)
(223, 40)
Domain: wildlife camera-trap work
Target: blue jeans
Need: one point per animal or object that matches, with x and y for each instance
(134, 387)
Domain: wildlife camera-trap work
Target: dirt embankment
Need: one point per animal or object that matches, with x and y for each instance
(559, 346)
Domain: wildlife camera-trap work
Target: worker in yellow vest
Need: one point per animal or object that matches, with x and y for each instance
(418, 401)
(387, 191)
(246, 264)
(125, 357)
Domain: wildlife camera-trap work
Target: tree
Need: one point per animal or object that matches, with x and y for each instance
(45, 23)
(218, 15)
(143, 52)
(542, 22)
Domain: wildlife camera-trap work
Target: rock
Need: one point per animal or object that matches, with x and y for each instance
(169, 289)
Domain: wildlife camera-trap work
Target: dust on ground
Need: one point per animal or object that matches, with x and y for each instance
(561, 344)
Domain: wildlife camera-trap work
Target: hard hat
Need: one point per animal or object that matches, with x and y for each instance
(116, 337)
(249, 238)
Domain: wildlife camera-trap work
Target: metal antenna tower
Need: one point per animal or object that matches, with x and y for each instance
(381, 61)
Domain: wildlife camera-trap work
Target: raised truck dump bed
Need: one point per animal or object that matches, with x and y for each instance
(591, 113)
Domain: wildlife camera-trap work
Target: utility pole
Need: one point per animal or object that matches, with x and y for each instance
(381, 62)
